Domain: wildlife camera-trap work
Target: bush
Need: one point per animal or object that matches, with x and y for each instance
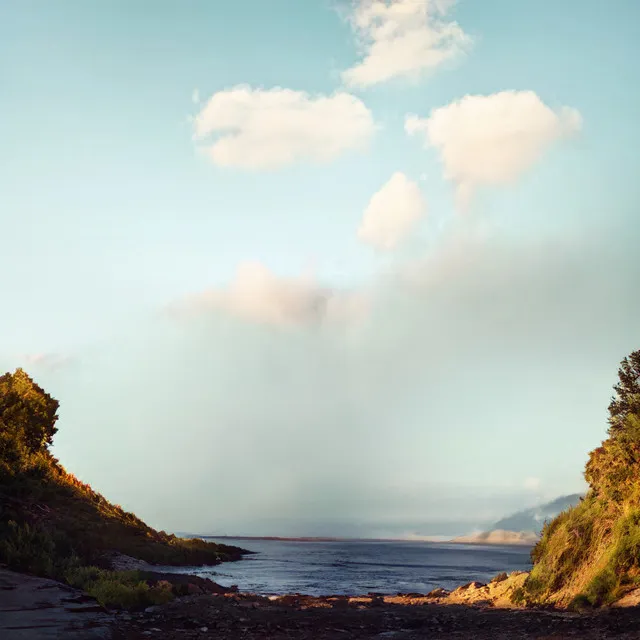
(119, 589)
(32, 549)
(602, 589)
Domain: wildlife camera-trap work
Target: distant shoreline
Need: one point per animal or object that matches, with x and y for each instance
(457, 541)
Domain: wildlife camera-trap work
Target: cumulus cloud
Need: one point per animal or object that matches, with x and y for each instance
(267, 129)
(492, 140)
(258, 295)
(392, 213)
(402, 38)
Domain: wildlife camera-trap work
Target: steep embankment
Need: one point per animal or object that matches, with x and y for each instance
(53, 525)
(590, 554)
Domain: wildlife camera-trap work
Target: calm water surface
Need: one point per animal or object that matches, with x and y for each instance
(357, 567)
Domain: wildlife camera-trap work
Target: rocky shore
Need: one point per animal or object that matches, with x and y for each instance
(405, 617)
(37, 609)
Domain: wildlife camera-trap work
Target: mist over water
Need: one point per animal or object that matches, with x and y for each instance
(474, 387)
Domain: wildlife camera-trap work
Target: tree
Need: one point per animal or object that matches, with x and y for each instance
(626, 401)
(27, 413)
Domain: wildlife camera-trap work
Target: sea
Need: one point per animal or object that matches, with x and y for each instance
(358, 567)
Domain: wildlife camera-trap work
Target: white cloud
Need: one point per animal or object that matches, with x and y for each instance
(532, 484)
(402, 38)
(392, 213)
(265, 129)
(258, 295)
(492, 140)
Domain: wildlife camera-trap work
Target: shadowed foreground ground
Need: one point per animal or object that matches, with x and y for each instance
(234, 616)
(37, 609)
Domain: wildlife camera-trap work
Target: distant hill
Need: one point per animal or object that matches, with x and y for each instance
(499, 536)
(534, 518)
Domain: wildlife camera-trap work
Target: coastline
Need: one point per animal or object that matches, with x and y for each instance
(432, 540)
(208, 610)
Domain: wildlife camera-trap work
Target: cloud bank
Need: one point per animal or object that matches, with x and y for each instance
(360, 432)
(258, 295)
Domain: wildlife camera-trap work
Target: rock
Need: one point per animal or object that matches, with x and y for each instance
(438, 593)
(471, 585)
(37, 608)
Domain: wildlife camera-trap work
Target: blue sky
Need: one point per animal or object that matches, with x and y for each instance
(123, 235)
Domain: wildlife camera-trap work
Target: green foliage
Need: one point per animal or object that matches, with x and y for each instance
(627, 393)
(602, 588)
(35, 550)
(591, 554)
(501, 577)
(51, 524)
(27, 414)
(119, 589)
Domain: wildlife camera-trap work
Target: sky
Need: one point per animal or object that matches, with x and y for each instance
(329, 267)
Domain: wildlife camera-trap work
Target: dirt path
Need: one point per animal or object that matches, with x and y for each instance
(38, 609)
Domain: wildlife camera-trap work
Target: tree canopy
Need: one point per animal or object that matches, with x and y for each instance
(27, 420)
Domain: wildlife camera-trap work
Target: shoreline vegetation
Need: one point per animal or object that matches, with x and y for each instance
(53, 525)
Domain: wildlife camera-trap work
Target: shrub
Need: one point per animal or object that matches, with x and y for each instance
(119, 589)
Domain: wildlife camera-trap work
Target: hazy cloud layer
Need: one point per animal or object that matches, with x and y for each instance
(402, 38)
(271, 128)
(392, 213)
(492, 140)
(344, 432)
(259, 295)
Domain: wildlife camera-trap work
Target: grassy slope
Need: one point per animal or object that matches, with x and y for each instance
(589, 555)
(48, 516)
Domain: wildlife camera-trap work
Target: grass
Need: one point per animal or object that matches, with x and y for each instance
(119, 589)
(587, 557)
